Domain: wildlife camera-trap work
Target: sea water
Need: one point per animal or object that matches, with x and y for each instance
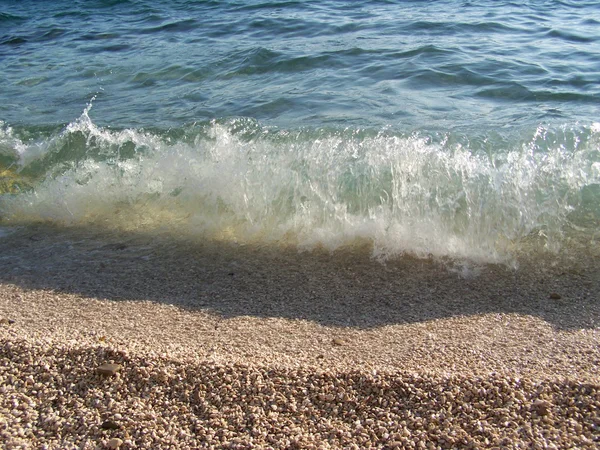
(462, 130)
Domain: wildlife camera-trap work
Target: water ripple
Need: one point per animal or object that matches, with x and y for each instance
(405, 64)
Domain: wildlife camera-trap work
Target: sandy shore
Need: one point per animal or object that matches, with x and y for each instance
(223, 345)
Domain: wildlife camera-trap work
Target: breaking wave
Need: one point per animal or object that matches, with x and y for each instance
(482, 197)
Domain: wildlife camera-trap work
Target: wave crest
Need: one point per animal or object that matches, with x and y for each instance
(482, 198)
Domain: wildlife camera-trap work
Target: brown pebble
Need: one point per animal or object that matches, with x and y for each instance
(555, 296)
(114, 443)
(337, 341)
(542, 407)
(108, 369)
(109, 425)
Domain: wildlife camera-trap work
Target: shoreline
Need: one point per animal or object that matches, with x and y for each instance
(279, 338)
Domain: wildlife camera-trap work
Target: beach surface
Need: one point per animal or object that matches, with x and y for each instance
(218, 344)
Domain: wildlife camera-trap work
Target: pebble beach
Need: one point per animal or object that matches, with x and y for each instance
(118, 341)
(299, 225)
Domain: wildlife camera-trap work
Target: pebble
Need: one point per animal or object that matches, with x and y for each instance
(338, 342)
(108, 369)
(109, 425)
(555, 296)
(542, 407)
(114, 443)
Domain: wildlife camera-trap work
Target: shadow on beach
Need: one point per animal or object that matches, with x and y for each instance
(346, 288)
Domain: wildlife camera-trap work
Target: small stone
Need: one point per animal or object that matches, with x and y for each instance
(542, 407)
(555, 296)
(114, 443)
(162, 376)
(337, 341)
(108, 369)
(109, 425)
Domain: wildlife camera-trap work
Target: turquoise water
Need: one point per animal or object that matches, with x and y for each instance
(453, 129)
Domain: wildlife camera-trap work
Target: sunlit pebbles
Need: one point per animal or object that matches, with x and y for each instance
(162, 403)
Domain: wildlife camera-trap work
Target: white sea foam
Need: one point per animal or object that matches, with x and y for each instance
(235, 180)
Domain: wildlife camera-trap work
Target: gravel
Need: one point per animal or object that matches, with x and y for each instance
(53, 397)
(237, 347)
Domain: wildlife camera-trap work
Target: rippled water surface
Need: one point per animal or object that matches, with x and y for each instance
(449, 128)
(408, 64)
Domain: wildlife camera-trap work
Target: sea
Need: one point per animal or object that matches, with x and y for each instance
(458, 130)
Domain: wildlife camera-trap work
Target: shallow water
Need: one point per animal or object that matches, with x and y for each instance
(446, 129)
